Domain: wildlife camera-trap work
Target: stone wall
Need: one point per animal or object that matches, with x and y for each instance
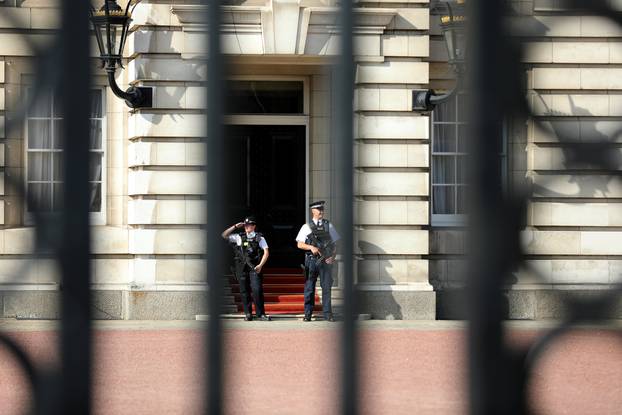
(151, 241)
(572, 238)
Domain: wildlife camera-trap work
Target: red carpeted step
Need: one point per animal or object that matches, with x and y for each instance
(282, 270)
(287, 279)
(281, 298)
(291, 272)
(284, 308)
(276, 288)
(283, 291)
(276, 279)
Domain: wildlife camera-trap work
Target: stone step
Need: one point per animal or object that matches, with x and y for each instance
(291, 316)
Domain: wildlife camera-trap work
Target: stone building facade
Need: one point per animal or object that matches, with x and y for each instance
(147, 234)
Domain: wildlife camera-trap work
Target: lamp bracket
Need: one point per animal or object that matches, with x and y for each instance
(143, 97)
(427, 99)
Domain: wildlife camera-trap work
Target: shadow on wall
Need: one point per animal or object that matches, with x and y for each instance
(583, 145)
(376, 269)
(582, 154)
(586, 148)
(448, 275)
(169, 97)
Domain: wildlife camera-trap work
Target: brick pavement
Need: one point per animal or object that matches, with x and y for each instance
(406, 367)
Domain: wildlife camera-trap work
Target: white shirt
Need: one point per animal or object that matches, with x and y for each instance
(305, 230)
(237, 239)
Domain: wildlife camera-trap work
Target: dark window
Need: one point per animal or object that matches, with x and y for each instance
(265, 97)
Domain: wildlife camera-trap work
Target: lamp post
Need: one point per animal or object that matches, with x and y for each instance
(111, 25)
(453, 18)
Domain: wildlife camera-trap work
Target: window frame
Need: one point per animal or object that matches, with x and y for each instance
(459, 220)
(96, 218)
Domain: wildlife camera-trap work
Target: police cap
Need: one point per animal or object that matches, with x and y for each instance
(250, 220)
(317, 205)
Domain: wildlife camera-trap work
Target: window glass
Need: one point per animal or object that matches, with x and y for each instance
(450, 140)
(443, 170)
(42, 106)
(264, 97)
(96, 134)
(445, 138)
(40, 167)
(448, 159)
(445, 200)
(42, 139)
(95, 200)
(41, 193)
(58, 133)
(44, 147)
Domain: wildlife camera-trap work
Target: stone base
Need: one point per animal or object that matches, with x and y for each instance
(108, 305)
(398, 305)
(380, 305)
(43, 305)
(527, 304)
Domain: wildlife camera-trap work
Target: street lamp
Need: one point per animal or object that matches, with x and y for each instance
(111, 25)
(453, 19)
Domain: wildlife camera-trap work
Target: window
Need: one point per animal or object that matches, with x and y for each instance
(44, 155)
(449, 162)
(265, 97)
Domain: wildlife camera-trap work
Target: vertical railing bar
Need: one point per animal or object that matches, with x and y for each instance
(74, 252)
(345, 172)
(487, 379)
(214, 155)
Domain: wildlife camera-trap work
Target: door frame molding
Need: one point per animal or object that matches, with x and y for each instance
(276, 119)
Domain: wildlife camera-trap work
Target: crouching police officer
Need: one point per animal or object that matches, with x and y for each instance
(318, 238)
(251, 254)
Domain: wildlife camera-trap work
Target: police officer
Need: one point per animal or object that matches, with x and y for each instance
(251, 254)
(318, 239)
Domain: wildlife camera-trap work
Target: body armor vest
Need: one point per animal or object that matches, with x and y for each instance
(321, 234)
(249, 250)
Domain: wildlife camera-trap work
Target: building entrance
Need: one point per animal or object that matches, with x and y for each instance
(266, 168)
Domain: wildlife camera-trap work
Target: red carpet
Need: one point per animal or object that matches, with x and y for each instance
(283, 291)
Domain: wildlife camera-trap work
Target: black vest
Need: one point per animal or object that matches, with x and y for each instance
(249, 250)
(320, 232)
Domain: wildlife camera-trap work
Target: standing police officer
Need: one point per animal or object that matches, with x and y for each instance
(251, 254)
(318, 238)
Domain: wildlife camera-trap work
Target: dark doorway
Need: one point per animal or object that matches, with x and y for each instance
(266, 177)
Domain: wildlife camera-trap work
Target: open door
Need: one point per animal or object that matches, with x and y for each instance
(266, 177)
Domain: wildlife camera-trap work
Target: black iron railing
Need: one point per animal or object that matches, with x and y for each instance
(498, 375)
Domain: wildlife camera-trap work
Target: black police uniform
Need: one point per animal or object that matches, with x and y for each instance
(247, 256)
(315, 267)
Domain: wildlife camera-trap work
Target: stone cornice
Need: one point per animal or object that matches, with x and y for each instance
(287, 26)
(363, 17)
(251, 15)
(193, 14)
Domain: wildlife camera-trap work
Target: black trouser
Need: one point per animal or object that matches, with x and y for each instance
(250, 280)
(325, 272)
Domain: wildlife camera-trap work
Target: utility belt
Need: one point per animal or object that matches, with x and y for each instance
(241, 262)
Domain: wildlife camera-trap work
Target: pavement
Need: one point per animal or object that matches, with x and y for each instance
(291, 367)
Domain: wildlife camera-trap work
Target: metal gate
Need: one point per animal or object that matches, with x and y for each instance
(498, 375)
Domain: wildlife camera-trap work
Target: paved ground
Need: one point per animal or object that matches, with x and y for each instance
(287, 367)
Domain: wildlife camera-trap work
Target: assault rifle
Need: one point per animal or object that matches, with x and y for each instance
(327, 249)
